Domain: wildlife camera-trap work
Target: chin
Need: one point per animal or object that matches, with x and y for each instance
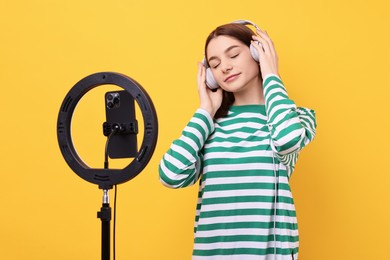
(233, 87)
(242, 84)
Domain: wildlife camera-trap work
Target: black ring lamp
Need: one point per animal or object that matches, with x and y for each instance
(106, 178)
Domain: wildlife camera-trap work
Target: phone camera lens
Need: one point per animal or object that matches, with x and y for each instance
(116, 100)
(110, 105)
(109, 97)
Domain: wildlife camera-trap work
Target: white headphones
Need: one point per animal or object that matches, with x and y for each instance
(210, 81)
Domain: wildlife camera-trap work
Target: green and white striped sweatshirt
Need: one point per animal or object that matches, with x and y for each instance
(244, 162)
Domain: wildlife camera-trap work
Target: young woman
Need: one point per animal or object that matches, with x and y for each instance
(242, 145)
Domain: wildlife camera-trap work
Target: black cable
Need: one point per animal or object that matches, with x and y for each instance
(115, 192)
(114, 227)
(106, 150)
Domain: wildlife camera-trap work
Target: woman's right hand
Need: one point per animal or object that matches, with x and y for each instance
(209, 100)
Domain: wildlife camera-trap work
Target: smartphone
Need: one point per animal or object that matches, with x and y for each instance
(120, 118)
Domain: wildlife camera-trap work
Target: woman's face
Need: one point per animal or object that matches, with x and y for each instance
(231, 63)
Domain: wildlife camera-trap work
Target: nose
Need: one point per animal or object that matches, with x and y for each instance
(226, 67)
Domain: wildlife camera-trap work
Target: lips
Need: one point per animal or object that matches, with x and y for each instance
(231, 77)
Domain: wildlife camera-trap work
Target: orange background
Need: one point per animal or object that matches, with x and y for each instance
(334, 58)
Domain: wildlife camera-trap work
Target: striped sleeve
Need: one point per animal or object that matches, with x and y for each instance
(181, 164)
(291, 128)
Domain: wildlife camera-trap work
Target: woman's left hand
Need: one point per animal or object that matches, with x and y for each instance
(268, 58)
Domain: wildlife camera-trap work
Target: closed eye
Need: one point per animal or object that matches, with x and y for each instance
(216, 65)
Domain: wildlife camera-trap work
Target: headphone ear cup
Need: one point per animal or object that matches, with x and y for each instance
(210, 81)
(254, 52)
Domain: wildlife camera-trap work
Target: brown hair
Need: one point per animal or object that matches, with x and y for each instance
(244, 35)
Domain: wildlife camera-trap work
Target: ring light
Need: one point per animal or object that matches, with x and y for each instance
(106, 178)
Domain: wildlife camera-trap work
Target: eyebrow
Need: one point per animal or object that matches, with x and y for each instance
(226, 51)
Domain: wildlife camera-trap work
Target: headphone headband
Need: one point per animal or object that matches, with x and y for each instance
(246, 22)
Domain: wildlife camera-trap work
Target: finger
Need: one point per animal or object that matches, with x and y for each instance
(258, 46)
(272, 45)
(200, 70)
(201, 75)
(268, 50)
(264, 34)
(265, 46)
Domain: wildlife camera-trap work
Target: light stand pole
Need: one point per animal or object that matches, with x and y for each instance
(105, 215)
